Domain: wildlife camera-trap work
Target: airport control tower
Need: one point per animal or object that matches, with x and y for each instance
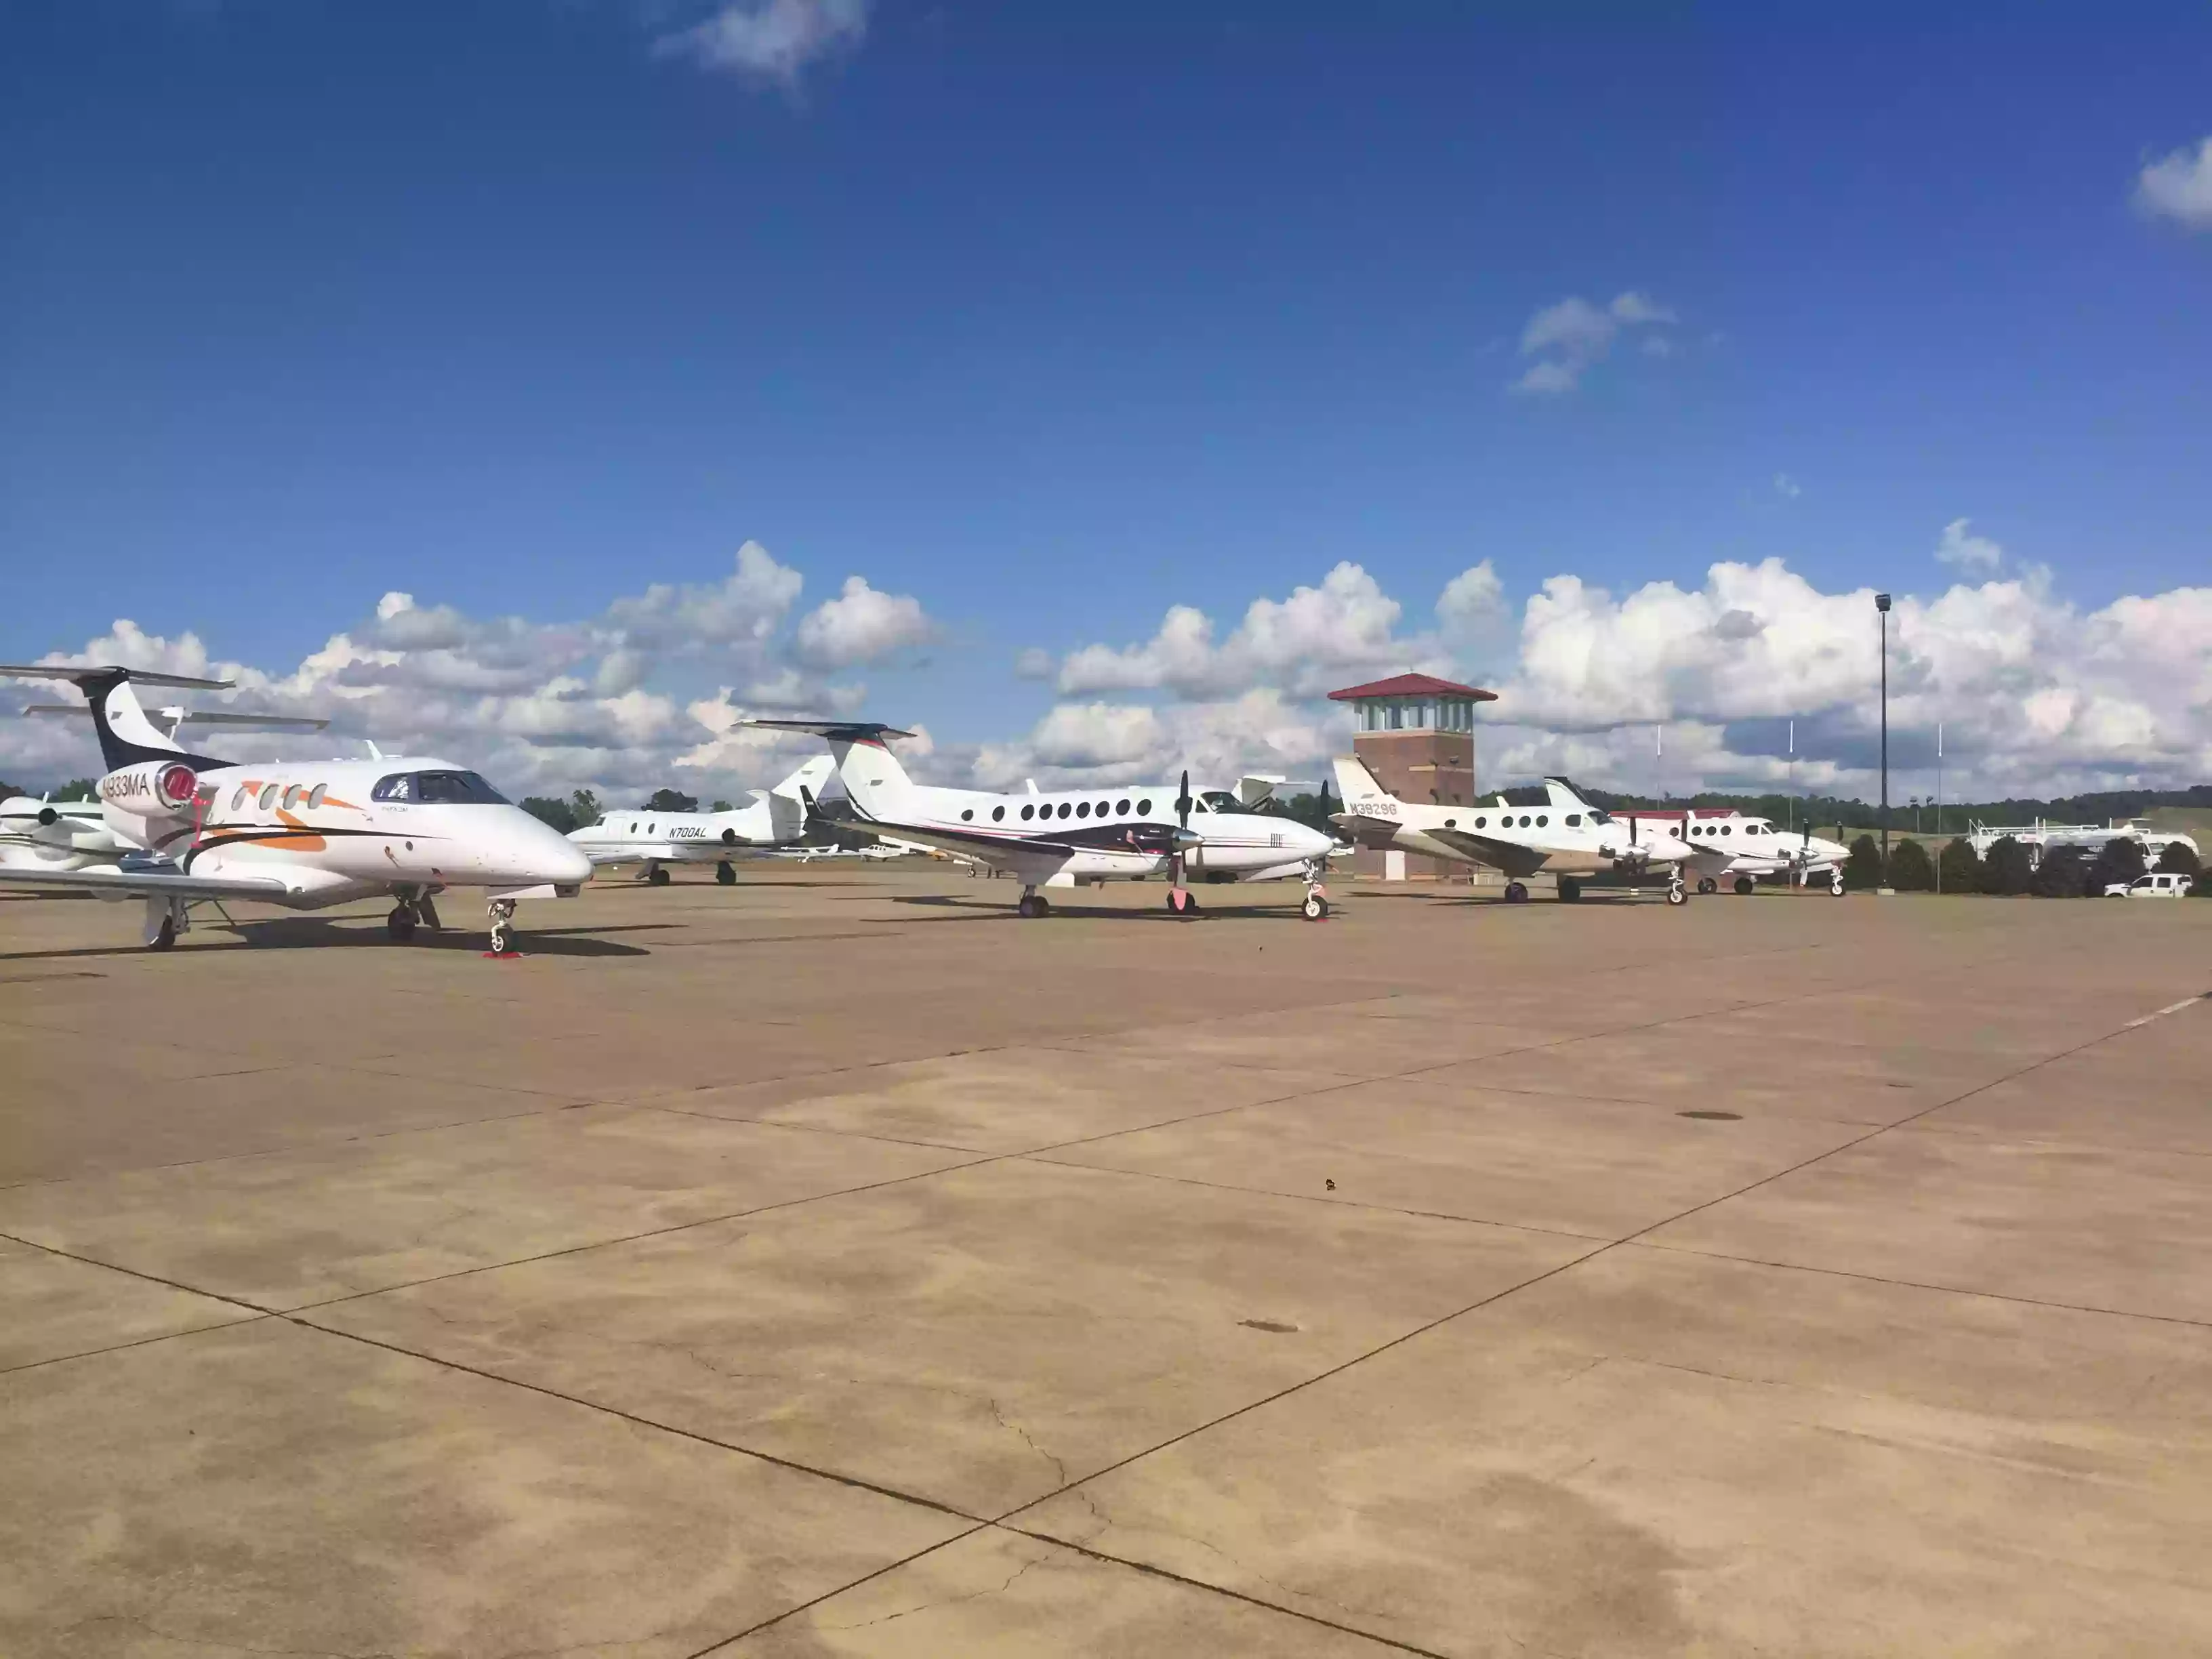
(1416, 732)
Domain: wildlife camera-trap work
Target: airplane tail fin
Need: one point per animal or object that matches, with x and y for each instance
(126, 735)
(1355, 783)
(877, 782)
(791, 803)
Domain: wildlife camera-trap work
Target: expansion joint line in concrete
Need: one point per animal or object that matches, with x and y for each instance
(1577, 1261)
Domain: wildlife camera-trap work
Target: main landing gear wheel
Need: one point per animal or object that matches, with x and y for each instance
(1515, 893)
(655, 876)
(503, 927)
(1745, 884)
(725, 877)
(1707, 884)
(165, 936)
(400, 924)
(1032, 905)
(1570, 890)
(1316, 908)
(1675, 893)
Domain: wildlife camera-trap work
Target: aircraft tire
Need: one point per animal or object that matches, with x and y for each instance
(165, 938)
(1316, 908)
(725, 876)
(1570, 890)
(1676, 894)
(400, 924)
(1745, 884)
(1515, 893)
(1707, 884)
(657, 876)
(1032, 905)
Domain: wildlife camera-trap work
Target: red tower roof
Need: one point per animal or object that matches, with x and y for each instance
(1412, 685)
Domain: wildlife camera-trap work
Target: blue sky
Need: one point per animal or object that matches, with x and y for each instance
(1057, 316)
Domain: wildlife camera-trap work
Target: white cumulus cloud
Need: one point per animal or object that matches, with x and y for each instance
(2179, 185)
(770, 40)
(1967, 552)
(862, 625)
(1568, 338)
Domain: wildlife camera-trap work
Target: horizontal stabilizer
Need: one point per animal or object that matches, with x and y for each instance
(836, 731)
(49, 671)
(108, 879)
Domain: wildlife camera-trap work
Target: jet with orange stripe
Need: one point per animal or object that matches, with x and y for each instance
(300, 834)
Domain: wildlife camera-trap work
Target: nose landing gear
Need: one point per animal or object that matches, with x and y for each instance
(501, 912)
(1676, 893)
(1836, 882)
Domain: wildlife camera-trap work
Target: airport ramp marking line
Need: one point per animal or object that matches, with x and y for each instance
(2170, 1008)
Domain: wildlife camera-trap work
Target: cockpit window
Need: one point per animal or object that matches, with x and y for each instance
(1599, 815)
(437, 789)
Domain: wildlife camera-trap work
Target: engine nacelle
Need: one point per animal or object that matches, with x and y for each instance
(151, 789)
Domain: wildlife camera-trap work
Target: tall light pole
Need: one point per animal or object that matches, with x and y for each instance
(1939, 803)
(1881, 605)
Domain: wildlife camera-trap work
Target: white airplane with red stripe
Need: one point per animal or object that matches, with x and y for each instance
(300, 834)
(1064, 838)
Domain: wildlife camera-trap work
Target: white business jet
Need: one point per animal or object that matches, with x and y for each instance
(303, 835)
(1583, 840)
(1060, 838)
(1726, 844)
(774, 817)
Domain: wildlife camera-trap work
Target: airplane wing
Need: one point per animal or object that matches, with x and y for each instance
(1510, 857)
(1030, 860)
(147, 884)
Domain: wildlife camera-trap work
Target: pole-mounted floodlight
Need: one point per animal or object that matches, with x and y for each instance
(1881, 605)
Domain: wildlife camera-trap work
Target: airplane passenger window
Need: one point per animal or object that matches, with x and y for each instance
(291, 797)
(998, 812)
(1102, 808)
(1065, 809)
(1542, 821)
(648, 829)
(1144, 807)
(315, 795)
(1524, 820)
(966, 815)
(1120, 809)
(268, 797)
(1482, 823)
(1724, 830)
(238, 798)
(1026, 811)
(1451, 823)
(1083, 809)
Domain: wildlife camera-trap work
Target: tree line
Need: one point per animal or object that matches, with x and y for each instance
(2008, 870)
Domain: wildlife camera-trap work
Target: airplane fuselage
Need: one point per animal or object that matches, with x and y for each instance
(330, 831)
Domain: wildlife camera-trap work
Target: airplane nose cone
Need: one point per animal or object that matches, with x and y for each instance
(1311, 843)
(542, 854)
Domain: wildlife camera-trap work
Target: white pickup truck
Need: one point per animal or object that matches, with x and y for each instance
(2157, 885)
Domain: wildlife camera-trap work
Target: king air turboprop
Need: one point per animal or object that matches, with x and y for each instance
(1066, 837)
(303, 835)
(1520, 841)
(775, 818)
(1727, 846)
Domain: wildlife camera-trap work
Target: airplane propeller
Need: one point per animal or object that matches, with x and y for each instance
(1178, 895)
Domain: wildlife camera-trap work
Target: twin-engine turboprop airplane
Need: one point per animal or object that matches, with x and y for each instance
(1726, 844)
(1582, 840)
(304, 834)
(1064, 837)
(775, 818)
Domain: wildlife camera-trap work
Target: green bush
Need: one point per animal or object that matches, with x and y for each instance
(1910, 868)
(1962, 867)
(1863, 869)
(548, 810)
(2006, 870)
(2063, 873)
(2178, 859)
